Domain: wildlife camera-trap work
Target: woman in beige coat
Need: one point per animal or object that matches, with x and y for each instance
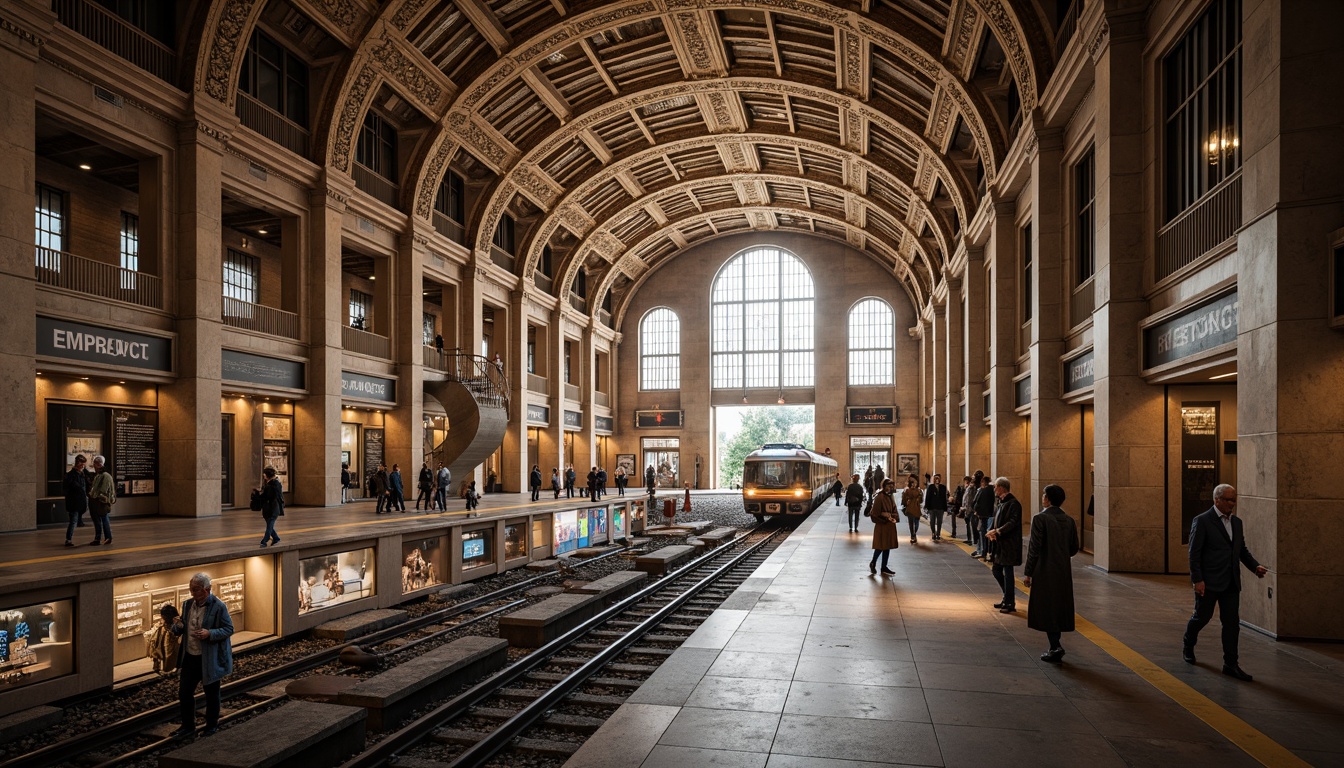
(910, 498)
(885, 537)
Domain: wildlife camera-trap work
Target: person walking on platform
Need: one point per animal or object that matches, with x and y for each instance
(102, 495)
(1217, 543)
(555, 481)
(854, 500)
(443, 480)
(910, 506)
(954, 508)
(592, 484)
(1048, 572)
(424, 486)
(879, 476)
(272, 505)
(534, 482)
(206, 656)
(473, 498)
(885, 537)
(622, 480)
(395, 490)
(1006, 533)
(935, 504)
(837, 488)
(601, 482)
(345, 482)
(984, 516)
(569, 481)
(650, 478)
(75, 486)
(868, 481)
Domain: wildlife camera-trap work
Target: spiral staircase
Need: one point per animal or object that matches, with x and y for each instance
(475, 396)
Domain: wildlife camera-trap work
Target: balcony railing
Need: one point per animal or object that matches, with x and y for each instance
(602, 399)
(571, 392)
(539, 384)
(371, 182)
(482, 376)
(578, 302)
(450, 229)
(501, 257)
(1067, 26)
(543, 282)
(1082, 302)
(76, 273)
(272, 124)
(1200, 228)
(259, 318)
(365, 343)
(116, 35)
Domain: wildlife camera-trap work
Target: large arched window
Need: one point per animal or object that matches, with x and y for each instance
(871, 341)
(761, 322)
(660, 350)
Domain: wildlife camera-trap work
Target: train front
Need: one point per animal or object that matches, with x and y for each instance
(777, 482)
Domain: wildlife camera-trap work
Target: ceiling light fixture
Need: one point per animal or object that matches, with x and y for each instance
(85, 167)
(262, 232)
(1223, 376)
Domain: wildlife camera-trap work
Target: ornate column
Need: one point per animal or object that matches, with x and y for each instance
(22, 31)
(975, 335)
(317, 417)
(953, 461)
(189, 435)
(405, 423)
(936, 344)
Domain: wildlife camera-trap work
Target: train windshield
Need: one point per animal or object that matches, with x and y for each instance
(774, 474)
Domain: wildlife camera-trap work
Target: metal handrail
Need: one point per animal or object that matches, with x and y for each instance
(482, 376)
(259, 318)
(62, 269)
(112, 32)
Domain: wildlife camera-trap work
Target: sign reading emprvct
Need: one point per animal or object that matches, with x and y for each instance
(94, 344)
(368, 387)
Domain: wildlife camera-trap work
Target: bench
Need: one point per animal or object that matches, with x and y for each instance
(359, 624)
(538, 624)
(296, 735)
(614, 586)
(718, 537)
(660, 561)
(392, 695)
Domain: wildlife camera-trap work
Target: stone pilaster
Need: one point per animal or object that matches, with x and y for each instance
(553, 436)
(317, 417)
(1130, 497)
(975, 333)
(1290, 416)
(936, 344)
(953, 462)
(1009, 432)
(189, 433)
(405, 423)
(21, 38)
(1056, 452)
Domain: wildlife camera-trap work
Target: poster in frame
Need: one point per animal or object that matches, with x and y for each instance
(626, 461)
(906, 464)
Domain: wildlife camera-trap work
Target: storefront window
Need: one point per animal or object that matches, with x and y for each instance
(566, 527)
(138, 599)
(422, 563)
(341, 577)
(515, 541)
(477, 549)
(541, 532)
(36, 643)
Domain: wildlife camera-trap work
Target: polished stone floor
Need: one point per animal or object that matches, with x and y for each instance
(815, 662)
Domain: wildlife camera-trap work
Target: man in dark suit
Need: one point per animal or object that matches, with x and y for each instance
(1216, 544)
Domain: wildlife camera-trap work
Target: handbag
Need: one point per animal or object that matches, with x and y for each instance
(255, 503)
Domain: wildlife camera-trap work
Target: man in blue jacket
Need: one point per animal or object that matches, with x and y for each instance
(206, 656)
(1216, 544)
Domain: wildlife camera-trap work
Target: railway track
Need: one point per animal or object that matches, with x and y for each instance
(145, 733)
(547, 703)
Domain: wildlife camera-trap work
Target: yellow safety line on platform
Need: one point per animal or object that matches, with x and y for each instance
(66, 556)
(1241, 733)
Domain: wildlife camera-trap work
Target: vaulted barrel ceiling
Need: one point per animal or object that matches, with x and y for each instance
(619, 133)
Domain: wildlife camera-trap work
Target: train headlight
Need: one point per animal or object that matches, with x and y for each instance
(751, 491)
(798, 492)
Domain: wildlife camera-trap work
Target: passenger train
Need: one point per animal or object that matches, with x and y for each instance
(785, 479)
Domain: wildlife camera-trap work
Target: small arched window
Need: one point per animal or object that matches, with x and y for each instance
(871, 343)
(660, 350)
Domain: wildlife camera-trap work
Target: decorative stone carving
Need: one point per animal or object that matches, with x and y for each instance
(606, 245)
(341, 12)
(575, 220)
(228, 33)
(1011, 40)
(486, 236)
(536, 184)
(407, 13)
(1099, 41)
(433, 176)
(352, 111)
(964, 22)
(697, 50)
(405, 71)
(498, 75)
(21, 33)
(608, 17)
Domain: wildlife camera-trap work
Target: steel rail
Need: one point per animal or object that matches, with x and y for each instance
(415, 731)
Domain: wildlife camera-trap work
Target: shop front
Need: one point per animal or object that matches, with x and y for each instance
(664, 455)
(365, 402)
(257, 421)
(97, 393)
(1078, 378)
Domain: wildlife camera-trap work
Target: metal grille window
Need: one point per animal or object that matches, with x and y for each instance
(569, 358)
(1085, 239)
(761, 320)
(377, 149)
(427, 333)
(450, 201)
(130, 249)
(276, 78)
(51, 226)
(361, 310)
(872, 343)
(660, 350)
(1202, 99)
(1026, 273)
(242, 276)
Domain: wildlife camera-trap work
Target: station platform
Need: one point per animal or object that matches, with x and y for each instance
(815, 662)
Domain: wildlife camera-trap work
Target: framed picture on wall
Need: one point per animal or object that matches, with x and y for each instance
(907, 464)
(276, 428)
(627, 461)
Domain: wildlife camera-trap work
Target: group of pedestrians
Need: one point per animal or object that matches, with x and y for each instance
(564, 482)
(92, 491)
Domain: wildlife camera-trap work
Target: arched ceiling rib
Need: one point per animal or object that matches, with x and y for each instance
(552, 96)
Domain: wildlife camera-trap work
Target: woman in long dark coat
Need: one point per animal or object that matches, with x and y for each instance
(1054, 540)
(885, 537)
